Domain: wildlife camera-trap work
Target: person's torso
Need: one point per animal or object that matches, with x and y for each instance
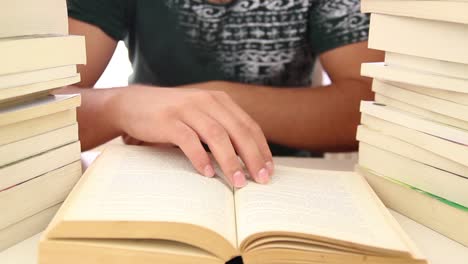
(176, 42)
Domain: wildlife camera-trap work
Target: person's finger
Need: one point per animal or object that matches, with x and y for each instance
(242, 138)
(189, 142)
(129, 140)
(215, 136)
(255, 129)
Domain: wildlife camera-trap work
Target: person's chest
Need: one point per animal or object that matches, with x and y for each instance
(252, 41)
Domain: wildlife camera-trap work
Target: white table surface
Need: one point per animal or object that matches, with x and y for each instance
(437, 248)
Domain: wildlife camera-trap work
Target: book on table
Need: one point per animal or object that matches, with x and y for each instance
(142, 204)
(21, 130)
(27, 227)
(421, 112)
(435, 144)
(29, 17)
(32, 146)
(30, 53)
(36, 88)
(26, 169)
(451, 96)
(409, 150)
(39, 162)
(440, 10)
(414, 122)
(416, 174)
(36, 173)
(419, 37)
(426, 106)
(13, 112)
(28, 207)
(440, 106)
(391, 73)
(431, 66)
(27, 198)
(37, 76)
(422, 176)
(439, 214)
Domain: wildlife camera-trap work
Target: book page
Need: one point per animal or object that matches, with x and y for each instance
(153, 185)
(333, 204)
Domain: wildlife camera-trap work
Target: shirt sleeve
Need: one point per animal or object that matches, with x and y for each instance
(335, 23)
(111, 16)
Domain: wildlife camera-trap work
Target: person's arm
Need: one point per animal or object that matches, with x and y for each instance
(162, 115)
(315, 118)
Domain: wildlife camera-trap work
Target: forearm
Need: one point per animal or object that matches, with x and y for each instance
(320, 119)
(96, 118)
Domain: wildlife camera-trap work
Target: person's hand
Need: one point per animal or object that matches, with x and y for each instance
(187, 118)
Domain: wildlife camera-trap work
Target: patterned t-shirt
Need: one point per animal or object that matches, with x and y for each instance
(269, 42)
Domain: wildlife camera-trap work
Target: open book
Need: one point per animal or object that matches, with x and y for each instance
(147, 205)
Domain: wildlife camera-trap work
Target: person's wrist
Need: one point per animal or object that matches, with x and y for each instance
(116, 108)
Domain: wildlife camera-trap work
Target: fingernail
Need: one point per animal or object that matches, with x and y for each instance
(263, 176)
(270, 167)
(239, 179)
(209, 171)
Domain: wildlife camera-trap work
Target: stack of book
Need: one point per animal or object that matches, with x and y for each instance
(414, 137)
(39, 147)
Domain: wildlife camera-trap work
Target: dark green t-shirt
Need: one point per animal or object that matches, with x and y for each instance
(269, 42)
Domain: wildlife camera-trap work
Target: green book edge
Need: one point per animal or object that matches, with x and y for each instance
(445, 201)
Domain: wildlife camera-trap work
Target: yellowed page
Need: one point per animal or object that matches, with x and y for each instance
(332, 204)
(57, 251)
(145, 184)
